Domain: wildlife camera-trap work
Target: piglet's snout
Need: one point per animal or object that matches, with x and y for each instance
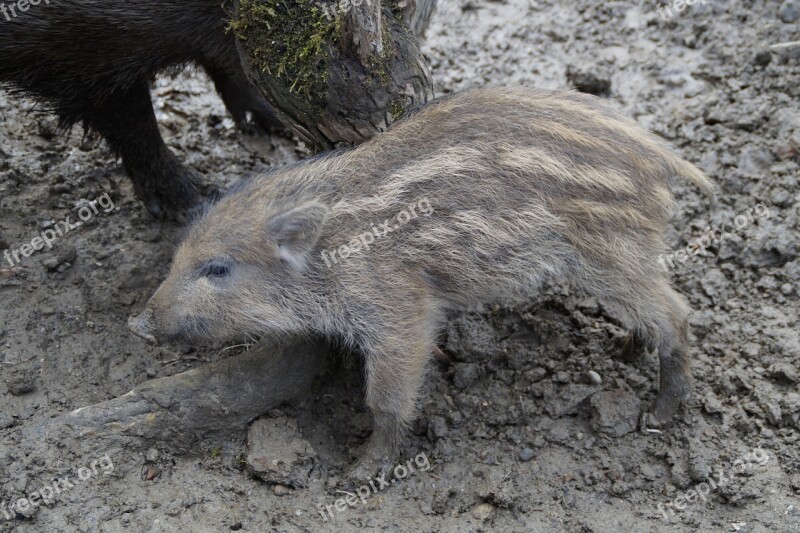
(142, 326)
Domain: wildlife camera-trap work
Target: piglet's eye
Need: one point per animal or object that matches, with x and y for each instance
(215, 269)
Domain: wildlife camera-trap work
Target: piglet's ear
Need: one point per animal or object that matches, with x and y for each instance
(296, 231)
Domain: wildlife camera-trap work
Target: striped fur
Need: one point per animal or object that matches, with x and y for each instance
(524, 185)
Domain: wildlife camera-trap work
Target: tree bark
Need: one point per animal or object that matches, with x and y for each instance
(338, 72)
(176, 412)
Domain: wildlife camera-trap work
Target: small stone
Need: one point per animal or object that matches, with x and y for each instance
(6, 421)
(789, 11)
(21, 384)
(698, 465)
(590, 306)
(566, 399)
(150, 472)
(536, 374)
(277, 452)
(772, 410)
(152, 455)
(784, 372)
(615, 412)
(482, 511)
(593, 378)
(525, 455)
(48, 311)
(787, 289)
(762, 58)
(51, 264)
(562, 377)
(792, 510)
(751, 350)
(281, 490)
(711, 404)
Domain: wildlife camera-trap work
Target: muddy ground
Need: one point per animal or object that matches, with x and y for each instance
(533, 427)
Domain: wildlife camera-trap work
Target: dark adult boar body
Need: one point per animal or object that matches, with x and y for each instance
(522, 185)
(92, 62)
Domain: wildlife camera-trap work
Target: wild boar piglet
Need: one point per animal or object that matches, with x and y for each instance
(476, 198)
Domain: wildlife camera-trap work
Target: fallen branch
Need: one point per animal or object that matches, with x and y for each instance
(179, 411)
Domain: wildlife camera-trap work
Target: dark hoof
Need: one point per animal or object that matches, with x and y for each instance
(265, 121)
(368, 469)
(255, 117)
(170, 208)
(170, 198)
(663, 411)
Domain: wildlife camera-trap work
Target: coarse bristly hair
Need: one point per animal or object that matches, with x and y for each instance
(92, 62)
(522, 184)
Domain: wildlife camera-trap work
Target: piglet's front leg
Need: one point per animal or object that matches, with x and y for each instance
(395, 368)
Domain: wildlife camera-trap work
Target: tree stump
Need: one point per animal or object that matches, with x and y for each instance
(336, 73)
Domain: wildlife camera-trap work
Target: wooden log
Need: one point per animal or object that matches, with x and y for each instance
(176, 412)
(339, 72)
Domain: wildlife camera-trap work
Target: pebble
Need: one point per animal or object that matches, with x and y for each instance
(593, 377)
(762, 58)
(562, 377)
(482, 511)
(152, 455)
(789, 11)
(21, 384)
(525, 454)
(6, 421)
(51, 264)
(277, 452)
(784, 372)
(615, 413)
(281, 490)
(150, 472)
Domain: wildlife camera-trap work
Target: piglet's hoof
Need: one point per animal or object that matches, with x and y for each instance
(372, 470)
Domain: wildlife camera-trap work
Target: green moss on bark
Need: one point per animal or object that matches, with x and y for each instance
(396, 110)
(290, 40)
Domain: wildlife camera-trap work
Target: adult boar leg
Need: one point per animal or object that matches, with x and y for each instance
(242, 98)
(125, 118)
